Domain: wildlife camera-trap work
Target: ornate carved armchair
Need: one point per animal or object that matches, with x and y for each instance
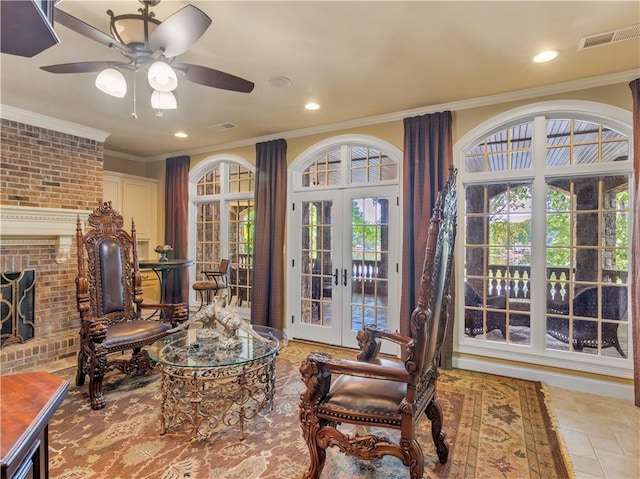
(109, 299)
(381, 392)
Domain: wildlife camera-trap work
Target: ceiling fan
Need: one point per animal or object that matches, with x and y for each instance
(147, 42)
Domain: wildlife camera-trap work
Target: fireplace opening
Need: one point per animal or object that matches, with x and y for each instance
(17, 306)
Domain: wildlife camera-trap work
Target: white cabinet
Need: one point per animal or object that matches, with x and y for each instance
(135, 197)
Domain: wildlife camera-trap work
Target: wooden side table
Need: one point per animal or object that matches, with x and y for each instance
(27, 402)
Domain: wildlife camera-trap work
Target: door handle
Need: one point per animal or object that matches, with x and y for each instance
(344, 276)
(335, 277)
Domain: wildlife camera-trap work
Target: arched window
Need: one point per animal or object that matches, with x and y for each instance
(544, 265)
(221, 192)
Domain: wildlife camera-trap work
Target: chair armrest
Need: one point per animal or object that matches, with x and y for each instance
(214, 274)
(369, 341)
(95, 328)
(317, 369)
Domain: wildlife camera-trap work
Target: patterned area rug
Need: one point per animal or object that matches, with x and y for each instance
(496, 427)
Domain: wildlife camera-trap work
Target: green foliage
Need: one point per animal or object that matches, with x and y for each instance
(558, 228)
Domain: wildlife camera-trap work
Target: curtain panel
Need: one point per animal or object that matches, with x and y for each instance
(428, 154)
(270, 203)
(635, 242)
(176, 216)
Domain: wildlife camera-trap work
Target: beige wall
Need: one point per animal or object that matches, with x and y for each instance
(463, 121)
(120, 165)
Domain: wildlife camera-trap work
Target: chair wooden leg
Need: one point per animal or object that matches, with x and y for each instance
(434, 413)
(80, 373)
(317, 454)
(415, 456)
(98, 370)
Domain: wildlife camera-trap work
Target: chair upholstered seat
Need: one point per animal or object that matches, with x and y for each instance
(353, 394)
(130, 332)
(208, 285)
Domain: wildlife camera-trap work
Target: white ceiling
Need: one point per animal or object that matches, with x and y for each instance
(356, 59)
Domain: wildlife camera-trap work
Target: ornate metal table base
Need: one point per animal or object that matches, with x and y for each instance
(203, 399)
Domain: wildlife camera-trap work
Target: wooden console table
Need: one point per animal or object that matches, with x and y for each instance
(27, 402)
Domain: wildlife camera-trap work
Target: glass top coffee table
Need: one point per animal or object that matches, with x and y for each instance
(205, 386)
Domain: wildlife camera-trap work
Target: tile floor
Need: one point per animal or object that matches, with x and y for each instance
(602, 434)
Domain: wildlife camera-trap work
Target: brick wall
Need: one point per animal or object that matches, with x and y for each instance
(46, 168)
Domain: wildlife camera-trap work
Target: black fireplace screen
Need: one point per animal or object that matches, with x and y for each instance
(17, 305)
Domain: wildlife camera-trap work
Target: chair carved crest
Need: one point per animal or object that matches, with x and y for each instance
(385, 393)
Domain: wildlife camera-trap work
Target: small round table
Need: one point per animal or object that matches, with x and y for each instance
(162, 270)
(205, 386)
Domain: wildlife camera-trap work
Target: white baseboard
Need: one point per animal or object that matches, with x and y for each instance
(557, 379)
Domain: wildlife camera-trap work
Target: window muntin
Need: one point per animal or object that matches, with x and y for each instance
(364, 166)
(575, 142)
(587, 251)
(498, 261)
(324, 171)
(225, 225)
(370, 166)
(505, 150)
(586, 217)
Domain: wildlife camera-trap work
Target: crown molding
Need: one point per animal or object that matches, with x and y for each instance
(36, 119)
(124, 156)
(525, 94)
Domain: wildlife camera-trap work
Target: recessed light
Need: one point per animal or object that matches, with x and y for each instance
(180, 134)
(279, 82)
(545, 56)
(312, 106)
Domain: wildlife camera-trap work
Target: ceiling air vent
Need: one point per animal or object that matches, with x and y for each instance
(224, 126)
(605, 38)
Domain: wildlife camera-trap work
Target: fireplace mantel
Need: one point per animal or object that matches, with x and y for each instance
(25, 225)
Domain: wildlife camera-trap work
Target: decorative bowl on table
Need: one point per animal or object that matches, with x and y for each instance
(163, 251)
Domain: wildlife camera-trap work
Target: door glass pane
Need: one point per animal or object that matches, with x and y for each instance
(241, 228)
(317, 278)
(370, 262)
(208, 237)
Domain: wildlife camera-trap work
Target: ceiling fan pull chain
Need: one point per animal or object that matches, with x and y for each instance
(135, 112)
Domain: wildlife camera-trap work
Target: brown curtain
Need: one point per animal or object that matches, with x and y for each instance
(176, 207)
(267, 283)
(635, 241)
(428, 153)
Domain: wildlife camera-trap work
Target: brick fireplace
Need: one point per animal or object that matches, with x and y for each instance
(48, 175)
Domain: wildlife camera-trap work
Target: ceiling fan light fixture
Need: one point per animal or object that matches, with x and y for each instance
(112, 82)
(162, 77)
(132, 29)
(163, 100)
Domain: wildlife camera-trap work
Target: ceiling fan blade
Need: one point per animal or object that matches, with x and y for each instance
(177, 33)
(214, 78)
(80, 67)
(87, 30)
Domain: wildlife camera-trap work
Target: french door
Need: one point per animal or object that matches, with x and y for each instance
(345, 270)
